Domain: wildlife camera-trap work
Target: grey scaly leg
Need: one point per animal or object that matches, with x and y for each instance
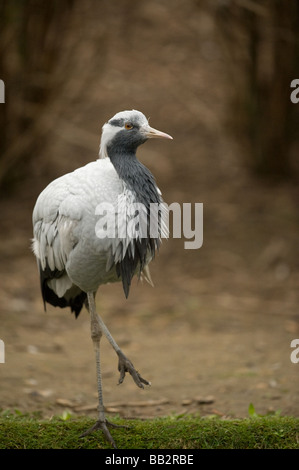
(124, 364)
(98, 328)
(96, 335)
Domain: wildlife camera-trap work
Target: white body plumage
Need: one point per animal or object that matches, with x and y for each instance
(64, 220)
(71, 256)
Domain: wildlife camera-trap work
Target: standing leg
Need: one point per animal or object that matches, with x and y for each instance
(124, 364)
(96, 335)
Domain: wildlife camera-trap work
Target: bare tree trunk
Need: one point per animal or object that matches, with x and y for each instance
(266, 34)
(31, 34)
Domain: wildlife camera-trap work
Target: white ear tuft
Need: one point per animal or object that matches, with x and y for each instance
(108, 132)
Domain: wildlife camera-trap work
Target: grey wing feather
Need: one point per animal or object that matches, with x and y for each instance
(52, 244)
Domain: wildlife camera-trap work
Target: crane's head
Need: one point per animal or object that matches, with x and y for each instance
(125, 131)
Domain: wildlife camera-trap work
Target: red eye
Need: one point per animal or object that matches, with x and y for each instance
(128, 126)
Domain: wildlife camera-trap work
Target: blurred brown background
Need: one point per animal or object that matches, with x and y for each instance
(214, 334)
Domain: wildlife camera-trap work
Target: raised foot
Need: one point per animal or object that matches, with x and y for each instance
(103, 426)
(125, 365)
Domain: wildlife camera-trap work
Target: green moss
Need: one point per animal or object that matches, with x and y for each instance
(186, 432)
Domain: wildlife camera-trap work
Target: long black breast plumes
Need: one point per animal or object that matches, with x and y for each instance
(140, 181)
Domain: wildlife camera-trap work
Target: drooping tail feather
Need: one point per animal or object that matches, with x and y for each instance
(75, 300)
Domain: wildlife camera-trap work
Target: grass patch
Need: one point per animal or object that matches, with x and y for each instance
(174, 432)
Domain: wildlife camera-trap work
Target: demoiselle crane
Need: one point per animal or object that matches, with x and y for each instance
(75, 251)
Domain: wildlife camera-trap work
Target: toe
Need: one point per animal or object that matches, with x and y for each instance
(102, 425)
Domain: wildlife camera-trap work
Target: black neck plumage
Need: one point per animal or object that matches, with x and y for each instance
(142, 184)
(137, 177)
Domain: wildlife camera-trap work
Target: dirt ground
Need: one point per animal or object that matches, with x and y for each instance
(210, 343)
(214, 333)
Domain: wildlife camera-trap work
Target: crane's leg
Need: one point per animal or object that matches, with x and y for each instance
(124, 364)
(98, 328)
(96, 335)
